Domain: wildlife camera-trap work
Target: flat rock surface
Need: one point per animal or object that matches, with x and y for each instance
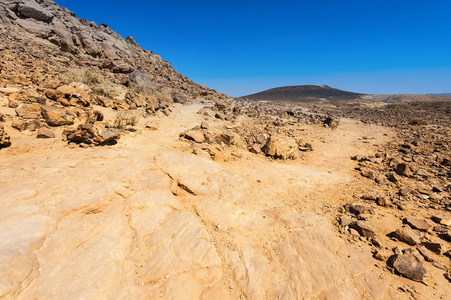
(146, 219)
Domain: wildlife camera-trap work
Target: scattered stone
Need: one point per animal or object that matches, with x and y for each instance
(195, 135)
(364, 228)
(19, 125)
(45, 133)
(403, 170)
(96, 134)
(57, 117)
(405, 191)
(384, 201)
(409, 266)
(407, 235)
(29, 111)
(332, 123)
(75, 94)
(442, 218)
(358, 209)
(281, 147)
(382, 180)
(435, 247)
(392, 177)
(428, 255)
(419, 224)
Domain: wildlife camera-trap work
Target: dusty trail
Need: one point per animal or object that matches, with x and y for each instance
(147, 219)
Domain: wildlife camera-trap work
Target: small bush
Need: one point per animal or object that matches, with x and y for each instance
(126, 118)
(160, 93)
(418, 121)
(94, 80)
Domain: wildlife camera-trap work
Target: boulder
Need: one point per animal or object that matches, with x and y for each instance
(358, 209)
(29, 111)
(19, 125)
(76, 93)
(364, 228)
(407, 235)
(137, 78)
(45, 133)
(31, 9)
(332, 123)
(419, 224)
(179, 98)
(281, 147)
(4, 138)
(195, 135)
(403, 170)
(57, 117)
(409, 265)
(96, 134)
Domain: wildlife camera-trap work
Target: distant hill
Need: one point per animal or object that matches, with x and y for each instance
(303, 93)
(443, 94)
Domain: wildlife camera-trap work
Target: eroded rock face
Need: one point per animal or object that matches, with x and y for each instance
(4, 138)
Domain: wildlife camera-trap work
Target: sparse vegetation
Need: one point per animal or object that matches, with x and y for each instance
(162, 94)
(126, 118)
(94, 80)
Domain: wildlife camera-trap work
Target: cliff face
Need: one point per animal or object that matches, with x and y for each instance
(62, 33)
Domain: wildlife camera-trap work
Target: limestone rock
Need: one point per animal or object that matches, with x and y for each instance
(57, 117)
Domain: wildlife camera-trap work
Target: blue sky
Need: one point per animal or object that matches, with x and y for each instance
(242, 47)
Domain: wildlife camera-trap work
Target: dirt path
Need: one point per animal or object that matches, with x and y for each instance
(145, 219)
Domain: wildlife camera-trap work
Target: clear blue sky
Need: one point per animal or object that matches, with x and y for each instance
(242, 47)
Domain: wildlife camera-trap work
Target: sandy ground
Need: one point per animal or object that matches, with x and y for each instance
(147, 219)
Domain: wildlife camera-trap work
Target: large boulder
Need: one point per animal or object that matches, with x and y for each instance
(96, 134)
(4, 138)
(57, 117)
(281, 147)
(31, 9)
(137, 78)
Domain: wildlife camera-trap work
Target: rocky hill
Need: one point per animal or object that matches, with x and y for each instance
(43, 32)
(303, 93)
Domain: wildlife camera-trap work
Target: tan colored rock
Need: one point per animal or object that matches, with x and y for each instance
(419, 224)
(195, 135)
(4, 137)
(45, 133)
(57, 117)
(29, 111)
(407, 235)
(77, 93)
(281, 147)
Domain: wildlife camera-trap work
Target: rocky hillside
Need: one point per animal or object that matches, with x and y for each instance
(45, 33)
(303, 93)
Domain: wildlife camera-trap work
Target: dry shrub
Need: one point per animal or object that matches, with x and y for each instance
(162, 94)
(126, 118)
(418, 121)
(94, 80)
